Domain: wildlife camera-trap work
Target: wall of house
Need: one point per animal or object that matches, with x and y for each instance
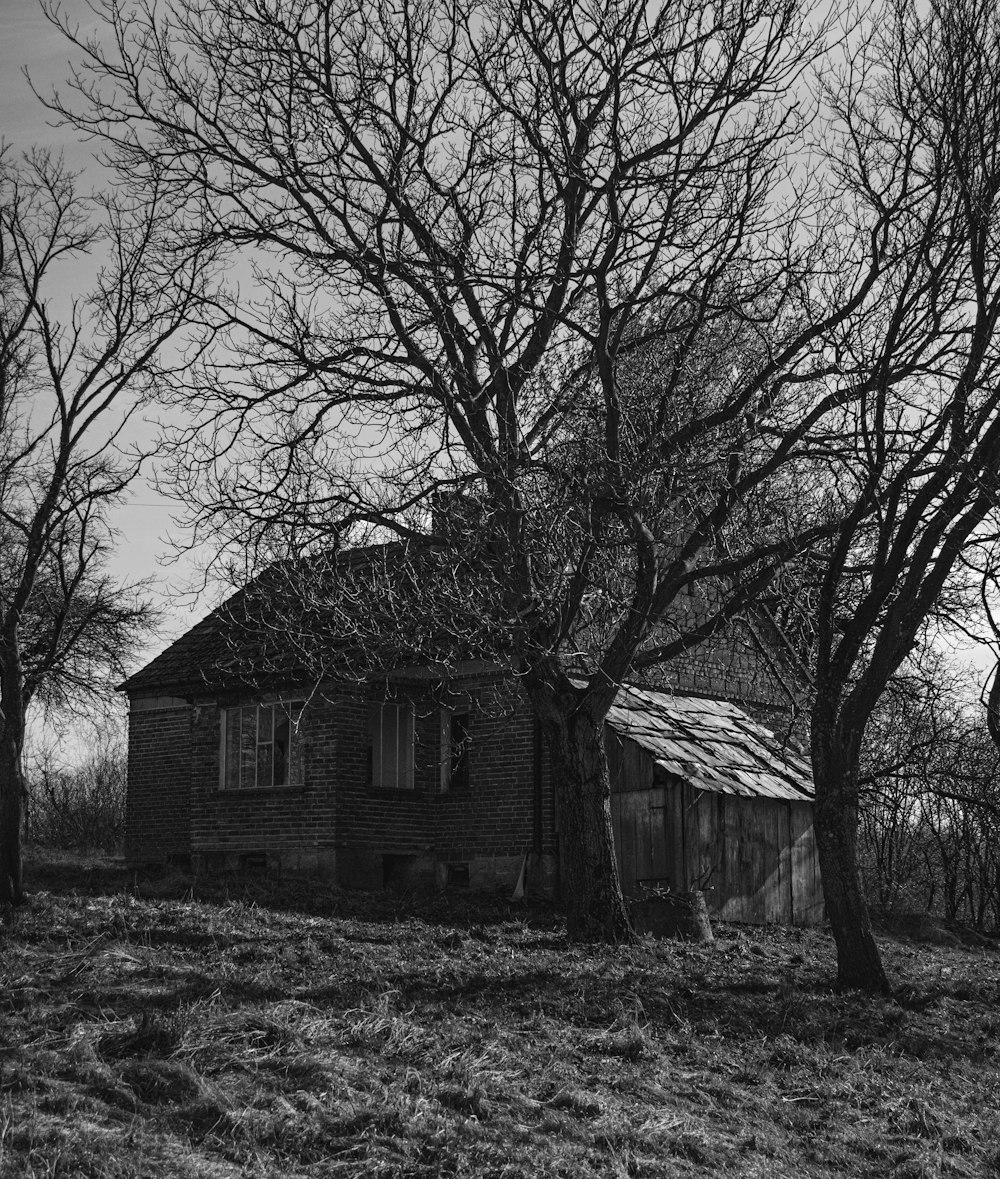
(476, 834)
(279, 828)
(158, 804)
(491, 825)
(336, 824)
(744, 663)
(384, 836)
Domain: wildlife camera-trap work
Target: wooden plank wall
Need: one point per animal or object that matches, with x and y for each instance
(756, 857)
(809, 907)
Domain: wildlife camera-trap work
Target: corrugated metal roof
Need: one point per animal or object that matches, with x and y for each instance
(713, 744)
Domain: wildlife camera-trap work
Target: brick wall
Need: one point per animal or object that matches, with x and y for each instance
(158, 805)
(731, 665)
(484, 823)
(291, 827)
(494, 814)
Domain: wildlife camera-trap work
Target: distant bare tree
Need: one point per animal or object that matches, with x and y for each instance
(930, 804)
(72, 370)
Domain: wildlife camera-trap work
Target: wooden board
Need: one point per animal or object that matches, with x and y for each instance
(808, 906)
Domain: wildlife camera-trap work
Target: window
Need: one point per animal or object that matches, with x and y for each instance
(261, 747)
(456, 740)
(390, 734)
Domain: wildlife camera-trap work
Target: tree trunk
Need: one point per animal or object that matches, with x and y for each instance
(12, 710)
(588, 870)
(835, 774)
(11, 793)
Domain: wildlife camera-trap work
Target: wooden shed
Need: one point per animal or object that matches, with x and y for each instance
(704, 796)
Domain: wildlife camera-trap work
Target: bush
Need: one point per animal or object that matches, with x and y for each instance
(79, 809)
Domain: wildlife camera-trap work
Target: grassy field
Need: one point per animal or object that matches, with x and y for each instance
(166, 1028)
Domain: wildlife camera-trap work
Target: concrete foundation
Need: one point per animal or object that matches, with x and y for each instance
(372, 869)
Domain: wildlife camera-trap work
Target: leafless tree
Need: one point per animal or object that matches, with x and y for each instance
(925, 134)
(588, 265)
(72, 370)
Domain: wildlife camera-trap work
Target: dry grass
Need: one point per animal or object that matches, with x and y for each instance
(155, 1028)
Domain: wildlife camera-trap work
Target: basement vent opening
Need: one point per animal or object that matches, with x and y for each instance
(457, 875)
(398, 871)
(254, 863)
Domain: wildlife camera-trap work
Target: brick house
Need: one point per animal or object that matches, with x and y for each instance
(420, 781)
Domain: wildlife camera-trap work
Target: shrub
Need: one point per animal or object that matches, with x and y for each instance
(78, 809)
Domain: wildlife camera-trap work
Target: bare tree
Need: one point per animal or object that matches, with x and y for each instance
(582, 262)
(67, 388)
(926, 136)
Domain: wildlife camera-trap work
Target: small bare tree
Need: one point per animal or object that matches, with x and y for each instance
(69, 382)
(79, 807)
(929, 800)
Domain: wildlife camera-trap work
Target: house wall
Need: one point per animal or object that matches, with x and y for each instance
(280, 828)
(490, 825)
(479, 833)
(743, 663)
(337, 824)
(384, 837)
(158, 803)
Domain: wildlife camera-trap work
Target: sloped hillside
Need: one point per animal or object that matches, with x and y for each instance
(156, 1028)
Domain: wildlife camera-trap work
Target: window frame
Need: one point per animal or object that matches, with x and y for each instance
(277, 711)
(401, 776)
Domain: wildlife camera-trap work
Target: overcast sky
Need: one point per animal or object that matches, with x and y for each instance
(28, 40)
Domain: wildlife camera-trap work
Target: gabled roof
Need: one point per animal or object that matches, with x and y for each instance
(712, 744)
(241, 641)
(190, 659)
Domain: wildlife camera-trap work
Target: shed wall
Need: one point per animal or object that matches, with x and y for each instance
(755, 857)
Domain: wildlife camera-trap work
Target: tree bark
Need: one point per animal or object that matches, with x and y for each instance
(11, 793)
(12, 712)
(835, 775)
(588, 871)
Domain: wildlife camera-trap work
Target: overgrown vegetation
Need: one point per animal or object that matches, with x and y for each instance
(929, 838)
(78, 808)
(166, 1027)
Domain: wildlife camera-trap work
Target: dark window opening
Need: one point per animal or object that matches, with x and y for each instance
(261, 746)
(457, 875)
(390, 747)
(459, 749)
(398, 871)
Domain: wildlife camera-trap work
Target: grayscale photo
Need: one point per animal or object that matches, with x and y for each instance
(499, 589)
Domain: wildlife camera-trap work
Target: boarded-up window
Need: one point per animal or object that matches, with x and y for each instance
(261, 746)
(390, 733)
